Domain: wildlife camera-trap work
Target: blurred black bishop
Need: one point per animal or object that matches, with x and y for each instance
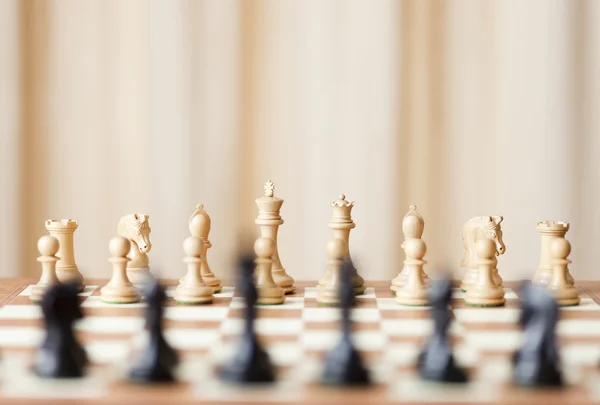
(343, 364)
(251, 363)
(158, 359)
(436, 362)
(60, 355)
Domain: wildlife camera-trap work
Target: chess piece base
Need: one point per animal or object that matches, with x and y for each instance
(469, 279)
(213, 283)
(251, 364)
(358, 283)
(567, 297)
(402, 278)
(542, 277)
(120, 294)
(70, 274)
(344, 366)
(270, 296)
(325, 279)
(283, 280)
(328, 296)
(485, 297)
(194, 294)
(444, 370)
(139, 276)
(471, 276)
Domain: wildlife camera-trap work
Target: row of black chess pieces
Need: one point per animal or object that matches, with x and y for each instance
(536, 363)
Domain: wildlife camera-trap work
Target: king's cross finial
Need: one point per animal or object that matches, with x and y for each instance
(269, 189)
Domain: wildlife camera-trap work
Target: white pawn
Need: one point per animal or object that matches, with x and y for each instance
(414, 291)
(269, 292)
(485, 292)
(329, 293)
(48, 247)
(560, 286)
(119, 289)
(192, 289)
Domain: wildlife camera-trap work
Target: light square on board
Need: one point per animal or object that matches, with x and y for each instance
(414, 327)
(390, 304)
(20, 382)
(109, 351)
(327, 315)
(586, 304)
(21, 336)
(110, 324)
(191, 338)
(411, 388)
(264, 326)
(95, 301)
(487, 315)
(578, 328)
(368, 294)
(310, 292)
(196, 313)
(289, 303)
(326, 339)
(494, 340)
(20, 312)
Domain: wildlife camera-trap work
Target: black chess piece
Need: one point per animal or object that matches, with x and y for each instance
(60, 355)
(536, 362)
(158, 359)
(436, 362)
(344, 364)
(251, 363)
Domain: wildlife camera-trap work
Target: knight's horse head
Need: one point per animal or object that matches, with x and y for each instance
(493, 231)
(139, 231)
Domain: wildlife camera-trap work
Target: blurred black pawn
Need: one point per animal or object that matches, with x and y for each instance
(436, 362)
(536, 363)
(60, 355)
(251, 363)
(343, 364)
(158, 359)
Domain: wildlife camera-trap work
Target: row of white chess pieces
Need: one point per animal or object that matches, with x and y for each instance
(482, 237)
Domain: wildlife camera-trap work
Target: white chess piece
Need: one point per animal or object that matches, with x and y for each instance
(329, 293)
(66, 268)
(48, 247)
(486, 227)
(192, 289)
(549, 231)
(412, 228)
(269, 221)
(414, 291)
(341, 223)
(269, 292)
(136, 228)
(119, 289)
(199, 225)
(565, 293)
(485, 292)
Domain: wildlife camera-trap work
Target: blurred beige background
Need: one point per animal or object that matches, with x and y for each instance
(463, 108)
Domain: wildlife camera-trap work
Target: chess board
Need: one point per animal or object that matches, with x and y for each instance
(297, 334)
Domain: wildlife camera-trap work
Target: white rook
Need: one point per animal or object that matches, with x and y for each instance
(66, 268)
(549, 231)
